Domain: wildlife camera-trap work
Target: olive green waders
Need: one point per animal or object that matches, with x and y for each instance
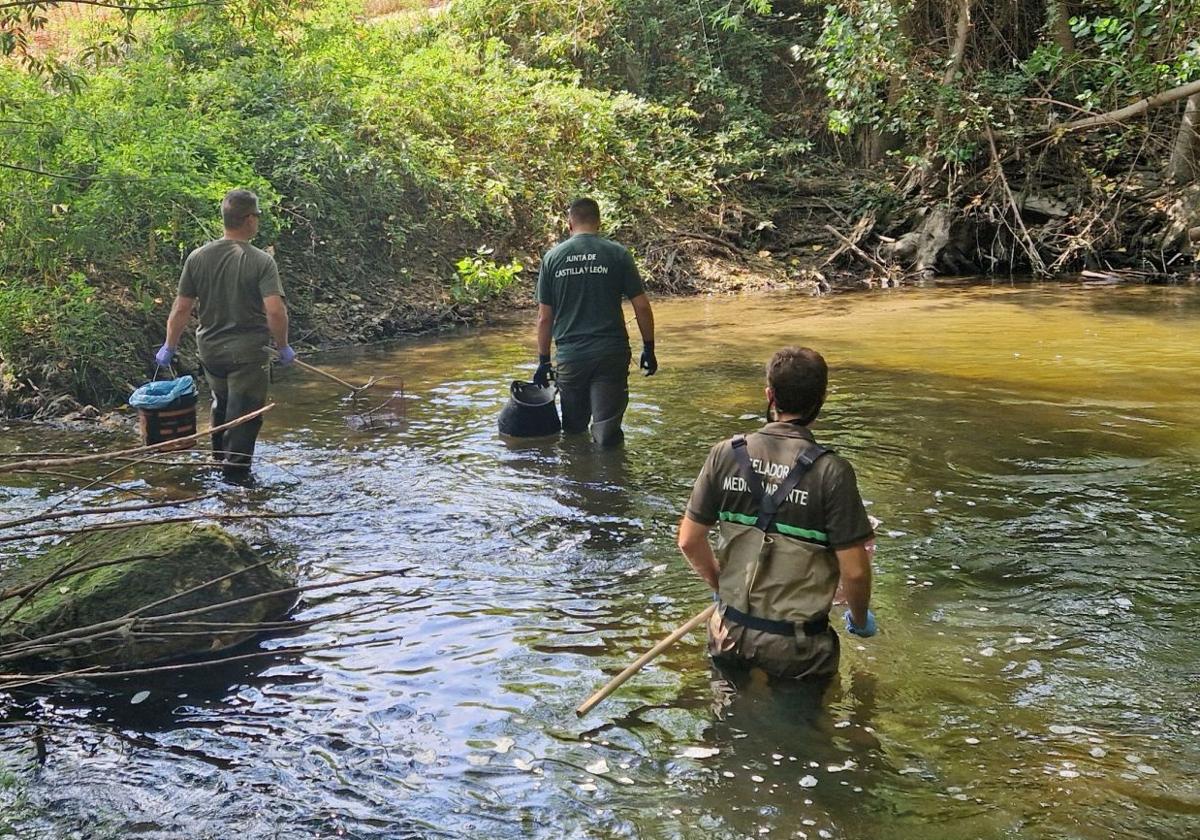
(775, 589)
(237, 390)
(595, 391)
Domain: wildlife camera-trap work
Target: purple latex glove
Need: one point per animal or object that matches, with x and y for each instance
(287, 355)
(164, 356)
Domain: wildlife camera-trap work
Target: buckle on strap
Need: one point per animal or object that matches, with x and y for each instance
(813, 627)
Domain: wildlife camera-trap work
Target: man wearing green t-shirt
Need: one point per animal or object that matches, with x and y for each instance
(235, 290)
(580, 287)
(792, 527)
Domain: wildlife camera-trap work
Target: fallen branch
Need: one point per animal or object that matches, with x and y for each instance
(125, 624)
(85, 479)
(100, 457)
(10, 681)
(859, 251)
(1139, 107)
(1035, 259)
(864, 224)
(170, 520)
(65, 514)
(66, 571)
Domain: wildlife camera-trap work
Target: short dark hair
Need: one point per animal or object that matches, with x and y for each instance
(237, 206)
(584, 211)
(799, 378)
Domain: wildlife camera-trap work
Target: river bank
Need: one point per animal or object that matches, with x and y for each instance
(368, 309)
(414, 165)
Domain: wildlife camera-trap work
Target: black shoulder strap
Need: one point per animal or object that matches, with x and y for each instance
(768, 506)
(751, 477)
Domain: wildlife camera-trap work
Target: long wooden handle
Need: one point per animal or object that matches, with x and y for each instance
(328, 375)
(641, 662)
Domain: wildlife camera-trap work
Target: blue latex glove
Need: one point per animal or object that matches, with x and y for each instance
(544, 372)
(287, 355)
(164, 356)
(649, 362)
(870, 630)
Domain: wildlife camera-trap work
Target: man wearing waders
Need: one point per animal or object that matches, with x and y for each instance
(580, 286)
(236, 291)
(791, 526)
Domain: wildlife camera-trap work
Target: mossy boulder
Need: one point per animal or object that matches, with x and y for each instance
(137, 582)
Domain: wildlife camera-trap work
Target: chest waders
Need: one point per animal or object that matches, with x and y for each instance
(754, 548)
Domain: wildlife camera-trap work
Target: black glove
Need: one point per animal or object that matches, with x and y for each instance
(544, 373)
(649, 362)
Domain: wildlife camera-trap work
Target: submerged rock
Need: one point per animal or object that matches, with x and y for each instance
(135, 577)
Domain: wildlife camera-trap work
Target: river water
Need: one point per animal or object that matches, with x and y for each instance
(1031, 453)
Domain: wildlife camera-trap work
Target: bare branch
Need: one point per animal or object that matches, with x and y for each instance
(65, 514)
(165, 446)
(1139, 107)
(103, 4)
(170, 520)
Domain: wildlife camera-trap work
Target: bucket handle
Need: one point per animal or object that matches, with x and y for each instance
(516, 385)
(170, 370)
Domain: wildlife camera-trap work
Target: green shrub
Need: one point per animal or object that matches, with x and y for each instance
(480, 279)
(376, 148)
(62, 336)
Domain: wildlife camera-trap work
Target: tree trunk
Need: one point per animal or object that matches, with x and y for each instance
(1183, 168)
(1060, 13)
(962, 31)
(879, 142)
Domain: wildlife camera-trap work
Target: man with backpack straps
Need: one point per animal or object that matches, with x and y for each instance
(792, 525)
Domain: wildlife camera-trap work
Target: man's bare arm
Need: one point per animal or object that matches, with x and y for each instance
(645, 317)
(181, 312)
(855, 565)
(545, 320)
(277, 319)
(693, 542)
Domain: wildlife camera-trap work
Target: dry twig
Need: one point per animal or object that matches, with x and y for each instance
(100, 457)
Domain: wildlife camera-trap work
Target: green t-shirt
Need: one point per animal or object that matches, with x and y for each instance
(825, 507)
(584, 280)
(230, 279)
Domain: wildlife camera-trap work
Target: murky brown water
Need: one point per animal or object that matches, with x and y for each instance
(1032, 452)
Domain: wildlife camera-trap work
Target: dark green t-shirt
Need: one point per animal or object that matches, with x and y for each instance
(825, 507)
(584, 280)
(230, 279)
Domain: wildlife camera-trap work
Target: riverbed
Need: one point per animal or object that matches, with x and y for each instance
(1031, 452)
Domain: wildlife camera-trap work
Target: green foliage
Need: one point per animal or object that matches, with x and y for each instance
(883, 64)
(480, 279)
(860, 49)
(1134, 48)
(62, 335)
(712, 59)
(371, 145)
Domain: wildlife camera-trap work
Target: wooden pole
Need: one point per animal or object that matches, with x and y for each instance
(641, 662)
(328, 375)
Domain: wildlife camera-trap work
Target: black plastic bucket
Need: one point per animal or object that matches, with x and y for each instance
(531, 412)
(177, 420)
